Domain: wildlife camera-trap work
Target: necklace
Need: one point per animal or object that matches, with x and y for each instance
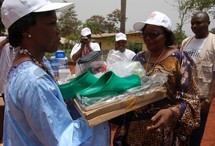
(42, 65)
(155, 63)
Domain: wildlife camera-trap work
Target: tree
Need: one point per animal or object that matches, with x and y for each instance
(204, 4)
(185, 9)
(96, 23)
(179, 35)
(68, 22)
(113, 20)
(102, 24)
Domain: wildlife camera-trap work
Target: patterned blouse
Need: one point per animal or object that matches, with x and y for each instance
(182, 98)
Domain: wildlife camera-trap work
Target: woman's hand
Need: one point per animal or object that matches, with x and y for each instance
(163, 118)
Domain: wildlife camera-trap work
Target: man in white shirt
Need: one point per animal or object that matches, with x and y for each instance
(83, 48)
(200, 47)
(7, 54)
(121, 53)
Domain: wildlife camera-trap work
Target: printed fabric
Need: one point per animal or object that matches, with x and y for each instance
(182, 97)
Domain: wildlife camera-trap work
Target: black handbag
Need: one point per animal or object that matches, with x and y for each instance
(90, 57)
(85, 63)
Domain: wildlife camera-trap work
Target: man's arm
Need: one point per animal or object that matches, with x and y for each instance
(3, 43)
(205, 105)
(77, 54)
(85, 44)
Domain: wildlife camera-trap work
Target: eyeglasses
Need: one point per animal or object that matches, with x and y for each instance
(152, 35)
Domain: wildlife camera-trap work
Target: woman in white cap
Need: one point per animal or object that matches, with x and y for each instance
(35, 113)
(167, 122)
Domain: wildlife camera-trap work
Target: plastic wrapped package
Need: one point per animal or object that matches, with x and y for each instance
(119, 105)
(126, 68)
(146, 85)
(115, 55)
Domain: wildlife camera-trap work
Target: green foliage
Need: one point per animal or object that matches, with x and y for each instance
(179, 35)
(136, 47)
(113, 21)
(68, 22)
(96, 23)
(186, 8)
(194, 5)
(203, 4)
(114, 17)
(70, 26)
(107, 24)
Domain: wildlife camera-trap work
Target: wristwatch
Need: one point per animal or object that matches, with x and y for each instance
(207, 101)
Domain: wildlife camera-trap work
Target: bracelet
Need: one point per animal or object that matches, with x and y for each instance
(207, 101)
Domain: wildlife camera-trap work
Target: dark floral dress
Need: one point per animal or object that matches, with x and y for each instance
(182, 97)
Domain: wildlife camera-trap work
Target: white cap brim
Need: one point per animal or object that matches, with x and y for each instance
(13, 11)
(85, 34)
(138, 26)
(54, 6)
(156, 18)
(121, 39)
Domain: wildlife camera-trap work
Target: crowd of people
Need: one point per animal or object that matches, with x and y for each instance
(36, 113)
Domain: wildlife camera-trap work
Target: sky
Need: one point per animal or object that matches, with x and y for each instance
(136, 10)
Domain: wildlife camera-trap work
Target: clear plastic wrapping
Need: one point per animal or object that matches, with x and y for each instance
(147, 87)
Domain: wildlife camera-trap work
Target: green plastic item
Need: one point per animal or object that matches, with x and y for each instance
(109, 84)
(70, 89)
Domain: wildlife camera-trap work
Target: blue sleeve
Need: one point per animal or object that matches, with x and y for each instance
(48, 117)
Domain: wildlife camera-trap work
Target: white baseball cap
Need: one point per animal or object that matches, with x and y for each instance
(13, 10)
(85, 31)
(120, 36)
(155, 18)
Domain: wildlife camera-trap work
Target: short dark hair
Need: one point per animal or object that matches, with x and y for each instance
(202, 13)
(170, 37)
(17, 29)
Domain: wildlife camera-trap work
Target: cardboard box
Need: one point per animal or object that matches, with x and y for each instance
(101, 112)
